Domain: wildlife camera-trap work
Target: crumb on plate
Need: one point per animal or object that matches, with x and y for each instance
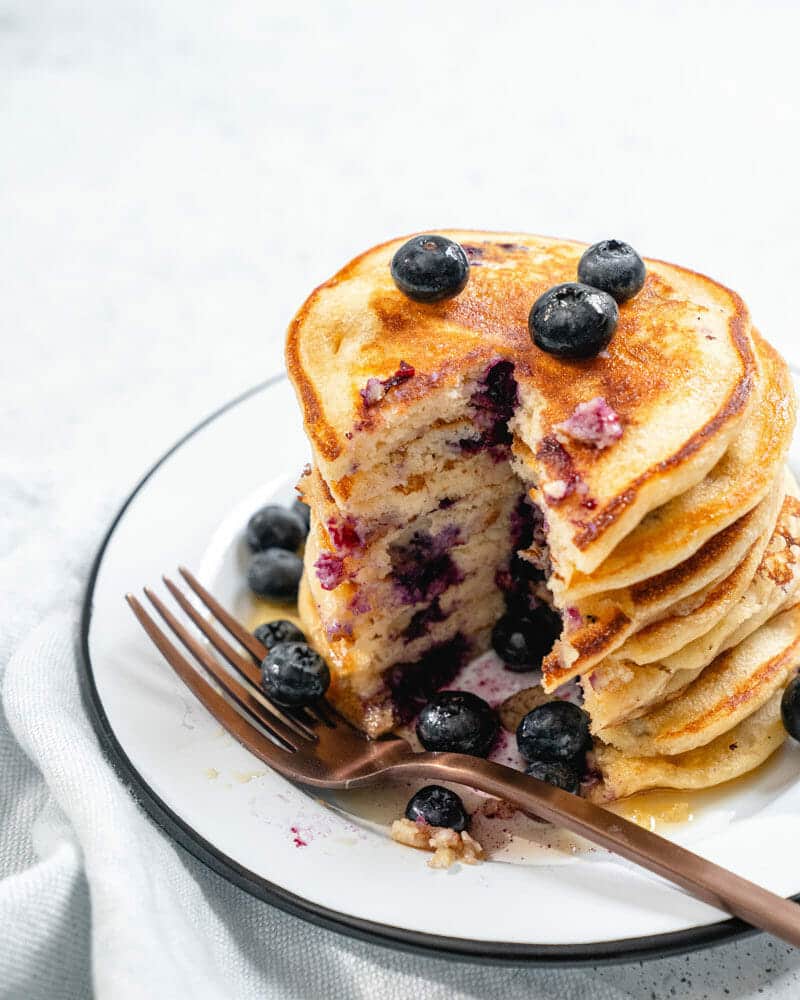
(447, 845)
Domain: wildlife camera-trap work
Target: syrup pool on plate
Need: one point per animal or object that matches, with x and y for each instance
(261, 610)
(657, 809)
(661, 809)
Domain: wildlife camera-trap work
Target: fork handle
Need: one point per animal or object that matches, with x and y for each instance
(707, 881)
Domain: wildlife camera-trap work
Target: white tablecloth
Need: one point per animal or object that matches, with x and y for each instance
(175, 177)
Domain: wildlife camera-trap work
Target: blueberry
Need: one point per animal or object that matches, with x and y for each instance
(293, 674)
(557, 732)
(519, 601)
(573, 320)
(437, 806)
(275, 573)
(563, 776)
(303, 512)
(457, 722)
(613, 267)
(273, 633)
(524, 569)
(523, 642)
(790, 709)
(429, 268)
(275, 527)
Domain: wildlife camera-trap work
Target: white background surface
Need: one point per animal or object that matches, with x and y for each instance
(175, 177)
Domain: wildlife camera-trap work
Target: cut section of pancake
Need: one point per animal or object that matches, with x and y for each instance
(378, 702)
(606, 622)
(406, 595)
(671, 533)
(617, 689)
(412, 481)
(729, 756)
(457, 526)
(734, 686)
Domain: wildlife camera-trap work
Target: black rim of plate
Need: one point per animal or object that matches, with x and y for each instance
(431, 945)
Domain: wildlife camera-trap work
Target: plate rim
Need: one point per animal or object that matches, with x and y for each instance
(385, 935)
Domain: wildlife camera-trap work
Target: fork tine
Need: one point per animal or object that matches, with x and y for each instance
(247, 639)
(245, 697)
(251, 739)
(245, 667)
(323, 711)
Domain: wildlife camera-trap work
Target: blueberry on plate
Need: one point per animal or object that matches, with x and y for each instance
(275, 527)
(275, 573)
(613, 267)
(563, 776)
(430, 268)
(522, 642)
(557, 732)
(573, 320)
(293, 674)
(457, 722)
(274, 633)
(790, 708)
(303, 513)
(437, 806)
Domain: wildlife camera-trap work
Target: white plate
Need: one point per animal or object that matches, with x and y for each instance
(545, 897)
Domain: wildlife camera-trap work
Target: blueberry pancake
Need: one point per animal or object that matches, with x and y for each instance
(510, 428)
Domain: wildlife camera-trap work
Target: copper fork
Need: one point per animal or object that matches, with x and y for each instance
(316, 746)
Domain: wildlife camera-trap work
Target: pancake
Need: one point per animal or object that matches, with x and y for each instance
(620, 689)
(670, 534)
(456, 474)
(696, 615)
(700, 612)
(607, 622)
(729, 756)
(734, 686)
(679, 372)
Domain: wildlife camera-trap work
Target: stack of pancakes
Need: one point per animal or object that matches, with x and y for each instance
(447, 485)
